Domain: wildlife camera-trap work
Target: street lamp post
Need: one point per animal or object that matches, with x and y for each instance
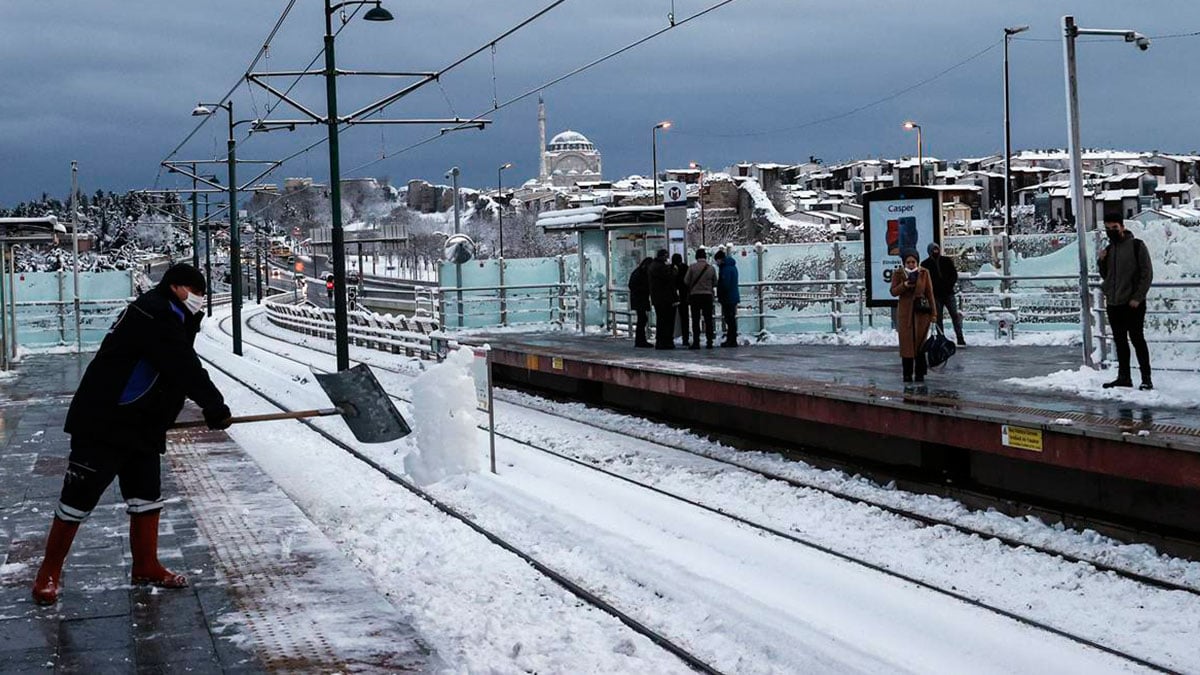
(340, 318)
(195, 222)
(1008, 225)
(1070, 33)
(499, 206)
(453, 174)
(654, 154)
(208, 255)
(696, 166)
(235, 239)
(910, 125)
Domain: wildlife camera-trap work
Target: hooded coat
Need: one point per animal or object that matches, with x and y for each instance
(134, 388)
(912, 326)
(727, 285)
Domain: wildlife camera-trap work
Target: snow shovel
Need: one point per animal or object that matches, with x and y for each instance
(356, 396)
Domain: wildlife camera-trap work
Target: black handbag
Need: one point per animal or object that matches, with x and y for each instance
(938, 349)
(922, 306)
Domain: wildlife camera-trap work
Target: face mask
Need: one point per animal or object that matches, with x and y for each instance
(1114, 235)
(194, 303)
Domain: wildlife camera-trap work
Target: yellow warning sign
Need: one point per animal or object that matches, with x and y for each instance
(556, 363)
(1021, 438)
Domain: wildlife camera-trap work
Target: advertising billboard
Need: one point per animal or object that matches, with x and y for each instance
(896, 220)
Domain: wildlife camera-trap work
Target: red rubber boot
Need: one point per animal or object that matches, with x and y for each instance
(49, 577)
(143, 541)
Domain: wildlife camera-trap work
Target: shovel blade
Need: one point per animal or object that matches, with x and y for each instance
(367, 409)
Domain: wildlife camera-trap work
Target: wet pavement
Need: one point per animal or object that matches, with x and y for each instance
(269, 592)
(973, 380)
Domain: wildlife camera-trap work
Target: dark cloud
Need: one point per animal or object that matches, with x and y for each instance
(111, 83)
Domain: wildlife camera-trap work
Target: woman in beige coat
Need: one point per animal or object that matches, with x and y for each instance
(911, 284)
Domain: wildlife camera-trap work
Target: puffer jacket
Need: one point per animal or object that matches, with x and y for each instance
(727, 287)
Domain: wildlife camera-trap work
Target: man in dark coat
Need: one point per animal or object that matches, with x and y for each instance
(728, 295)
(945, 280)
(681, 269)
(663, 296)
(639, 300)
(1127, 273)
(129, 396)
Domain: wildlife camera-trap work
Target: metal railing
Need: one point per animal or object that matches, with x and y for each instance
(511, 304)
(411, 336)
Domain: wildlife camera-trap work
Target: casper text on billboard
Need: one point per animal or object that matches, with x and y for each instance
(895, 225)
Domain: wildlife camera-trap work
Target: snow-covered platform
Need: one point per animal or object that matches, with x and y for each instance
(269, 592)
(1022, 420)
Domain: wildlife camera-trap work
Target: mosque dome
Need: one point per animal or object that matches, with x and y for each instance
(570, 140)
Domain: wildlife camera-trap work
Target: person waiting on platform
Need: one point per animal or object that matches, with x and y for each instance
(699, 282)
(663, 297)
(728, 296)
(639, 301)
(681, 269)
(1127, 273)
(945, 278)
(129, 396)
(915, 312)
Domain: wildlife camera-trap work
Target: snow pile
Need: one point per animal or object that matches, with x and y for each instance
(444, 421)
(1180, 390)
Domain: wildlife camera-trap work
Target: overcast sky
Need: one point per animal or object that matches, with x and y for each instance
(112, 82)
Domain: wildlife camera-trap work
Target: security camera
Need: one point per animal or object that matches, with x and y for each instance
(1142, 42)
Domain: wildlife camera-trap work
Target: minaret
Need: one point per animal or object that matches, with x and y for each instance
(542, 173)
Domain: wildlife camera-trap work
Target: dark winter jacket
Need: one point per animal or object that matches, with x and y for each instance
(943, 275)
(680, 274)
(1126, 271)
(662, 284)
(146, 366)
(639, 288)
(727, 285)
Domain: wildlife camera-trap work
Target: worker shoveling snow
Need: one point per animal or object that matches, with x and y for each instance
(448, 440)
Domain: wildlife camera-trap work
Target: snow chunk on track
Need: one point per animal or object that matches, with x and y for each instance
(444, 421)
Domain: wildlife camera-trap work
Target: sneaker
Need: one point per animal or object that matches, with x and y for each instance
(1146, 386)
(1118, 383)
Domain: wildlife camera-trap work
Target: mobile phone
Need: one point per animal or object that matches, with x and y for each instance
(912, 276)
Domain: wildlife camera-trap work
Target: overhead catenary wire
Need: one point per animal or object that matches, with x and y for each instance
(546, 85)
(853, 111)
(253, 62)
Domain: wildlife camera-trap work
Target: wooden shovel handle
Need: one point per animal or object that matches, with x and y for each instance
(265, 417)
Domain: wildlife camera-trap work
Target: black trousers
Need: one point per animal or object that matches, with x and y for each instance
(91, 467)
(921, 365)
(683, 321)
(664, 326)
(729, 318)
(702, 307)
(639, 334)
(1127, 326)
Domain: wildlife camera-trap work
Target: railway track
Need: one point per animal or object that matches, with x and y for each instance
(919, 518)
(566, 583)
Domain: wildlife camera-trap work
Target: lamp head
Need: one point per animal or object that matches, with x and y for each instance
(695, 165)
(666, 124)
(377, 13)
(1015, 29)
(201, 111)
(506, 165)
(910, 125)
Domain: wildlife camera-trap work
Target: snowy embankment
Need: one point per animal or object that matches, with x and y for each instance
(670, 564)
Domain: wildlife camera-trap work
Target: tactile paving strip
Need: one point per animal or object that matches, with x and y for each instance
(297, 621)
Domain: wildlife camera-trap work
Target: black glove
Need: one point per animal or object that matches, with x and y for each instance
(218, 417)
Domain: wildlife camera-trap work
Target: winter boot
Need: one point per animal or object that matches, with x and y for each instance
(1119, 382)
(49, 577)
(143, 542)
